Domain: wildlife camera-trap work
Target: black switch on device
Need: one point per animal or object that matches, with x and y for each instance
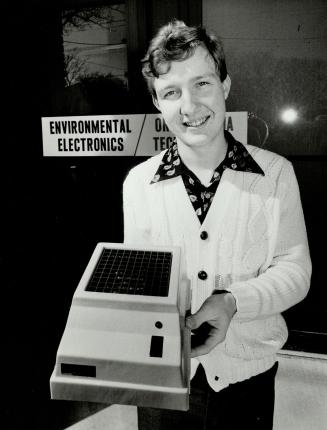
(78, 370)
(156, 346)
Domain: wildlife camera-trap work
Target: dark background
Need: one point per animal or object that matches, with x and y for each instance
(55, 211)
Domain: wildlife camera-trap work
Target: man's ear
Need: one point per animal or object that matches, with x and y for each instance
(155, 102)
(226, 86)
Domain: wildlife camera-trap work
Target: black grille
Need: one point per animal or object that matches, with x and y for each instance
(124, 271)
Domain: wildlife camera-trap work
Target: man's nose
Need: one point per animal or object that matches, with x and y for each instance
(188, 103)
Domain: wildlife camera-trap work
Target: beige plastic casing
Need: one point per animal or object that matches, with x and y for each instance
(111, 333)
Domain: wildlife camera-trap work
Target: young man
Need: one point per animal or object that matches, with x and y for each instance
(236, 213)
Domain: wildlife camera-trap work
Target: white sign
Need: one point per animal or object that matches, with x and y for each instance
(118, 135)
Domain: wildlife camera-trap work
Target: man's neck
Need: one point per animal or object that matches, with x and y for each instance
(203, 160)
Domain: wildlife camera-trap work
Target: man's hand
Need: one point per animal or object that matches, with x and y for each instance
(213, 318)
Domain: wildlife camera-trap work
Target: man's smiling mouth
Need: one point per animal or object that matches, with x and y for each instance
(196, 123)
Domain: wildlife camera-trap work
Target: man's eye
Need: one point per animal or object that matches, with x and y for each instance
(203, 83)
(170, 94)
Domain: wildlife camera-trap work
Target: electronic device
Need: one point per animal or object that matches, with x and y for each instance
(125, 340)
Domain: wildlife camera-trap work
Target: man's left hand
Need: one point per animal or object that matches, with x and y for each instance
(215, 315)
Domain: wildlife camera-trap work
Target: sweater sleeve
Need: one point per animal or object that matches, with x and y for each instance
(287, 279)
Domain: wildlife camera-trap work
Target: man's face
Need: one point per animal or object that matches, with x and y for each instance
(191, 98)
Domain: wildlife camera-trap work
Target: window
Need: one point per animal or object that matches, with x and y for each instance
(277, 59)
(95, 43)
(94, 52)
(276, 54)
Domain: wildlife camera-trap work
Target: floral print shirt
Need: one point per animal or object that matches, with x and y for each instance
(201, 196)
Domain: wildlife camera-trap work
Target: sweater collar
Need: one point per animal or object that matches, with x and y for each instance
(237, 158)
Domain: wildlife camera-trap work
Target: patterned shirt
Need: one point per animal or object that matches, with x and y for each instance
(201, 196)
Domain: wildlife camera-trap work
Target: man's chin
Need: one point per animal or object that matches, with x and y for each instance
(196, 143)
(196, 137)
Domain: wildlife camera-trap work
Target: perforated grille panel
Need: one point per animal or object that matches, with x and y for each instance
(123, 271)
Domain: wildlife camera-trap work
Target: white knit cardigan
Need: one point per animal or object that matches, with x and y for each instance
(256, 248)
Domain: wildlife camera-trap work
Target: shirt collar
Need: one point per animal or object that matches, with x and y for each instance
(237, 158)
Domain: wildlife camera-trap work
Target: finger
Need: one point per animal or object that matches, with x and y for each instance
(210, 342)
(213, 338)
(191, 322)
(194, 321)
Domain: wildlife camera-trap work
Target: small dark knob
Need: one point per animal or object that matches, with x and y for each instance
(202, 275)
(204, 235)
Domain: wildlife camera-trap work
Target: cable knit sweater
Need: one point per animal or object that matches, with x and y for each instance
(256, 248)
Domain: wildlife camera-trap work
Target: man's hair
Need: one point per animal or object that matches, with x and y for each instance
(177, 42)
